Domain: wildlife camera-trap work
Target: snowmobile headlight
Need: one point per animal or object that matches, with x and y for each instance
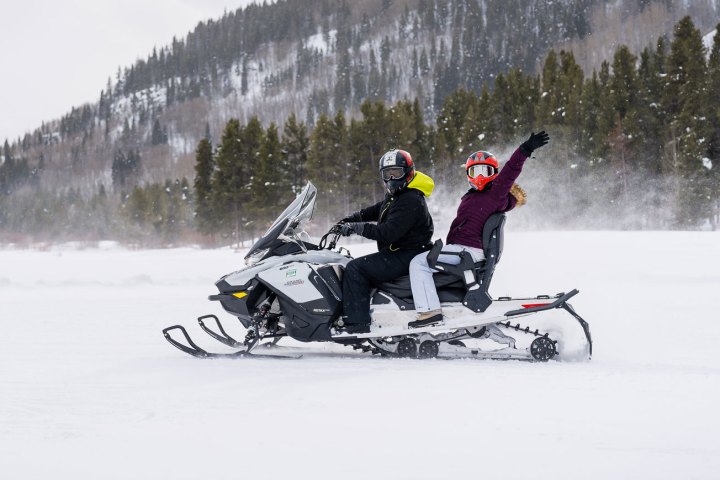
(255, 257)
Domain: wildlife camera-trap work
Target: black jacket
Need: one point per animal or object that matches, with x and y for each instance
(403, 222)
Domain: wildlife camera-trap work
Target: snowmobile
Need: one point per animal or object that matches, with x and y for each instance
(293, 288)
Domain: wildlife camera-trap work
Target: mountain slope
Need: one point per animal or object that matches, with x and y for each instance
(312, 57)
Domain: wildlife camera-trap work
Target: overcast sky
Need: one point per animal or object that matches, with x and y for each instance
(58, 54)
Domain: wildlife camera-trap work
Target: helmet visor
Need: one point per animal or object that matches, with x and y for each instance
(392, 173)
(481, 171)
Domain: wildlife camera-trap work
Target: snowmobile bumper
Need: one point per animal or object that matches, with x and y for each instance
(560, 302)
(192, 348)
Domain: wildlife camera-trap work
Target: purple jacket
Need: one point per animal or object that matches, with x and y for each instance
(476, 206)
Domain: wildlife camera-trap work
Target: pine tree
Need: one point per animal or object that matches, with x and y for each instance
(295, 144)
(549, 100)
(624, 90)
(374, 82)
(624, 83)
(570, 83)
(7, 170)
(125, 168)
(204, 166)
(359, 84)
(251, 140)
(421, 143)
(502, 109)
(593, 137)
(230, 180)
(651, 115)
(158, 135)
(402, 132)
(244, 76)
(486, 133)
(328, 165)
(424, 63)
(385, 50)
(343, 82)
(270, 185)
(713, 120)
(597, 118)
(414, 69)
(452, 123)
(138, 206)
(685, 101)
(369, 139)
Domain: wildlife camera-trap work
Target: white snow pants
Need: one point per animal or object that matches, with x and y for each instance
(421, 276)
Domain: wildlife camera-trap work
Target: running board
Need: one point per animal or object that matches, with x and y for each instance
(476, 353)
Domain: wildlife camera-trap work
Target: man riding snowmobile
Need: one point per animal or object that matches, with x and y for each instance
(404, 229)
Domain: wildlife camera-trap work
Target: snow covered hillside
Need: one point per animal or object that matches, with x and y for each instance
(89, 389)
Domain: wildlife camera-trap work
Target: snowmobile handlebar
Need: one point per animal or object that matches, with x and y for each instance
(333, 234)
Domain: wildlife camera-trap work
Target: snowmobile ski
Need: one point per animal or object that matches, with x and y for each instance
(196, 351)
(221, 337)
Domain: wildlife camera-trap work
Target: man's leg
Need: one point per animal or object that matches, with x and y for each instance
(356, 293)
(364, 273)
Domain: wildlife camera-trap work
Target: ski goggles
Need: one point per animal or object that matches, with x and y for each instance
(392, 173)
(481, 170)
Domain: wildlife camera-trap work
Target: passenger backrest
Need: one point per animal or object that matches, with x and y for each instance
(493, 242)
(493, 236)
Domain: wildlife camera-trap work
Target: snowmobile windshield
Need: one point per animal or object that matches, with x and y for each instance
(290, 221)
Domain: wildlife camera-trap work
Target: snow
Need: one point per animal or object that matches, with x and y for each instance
(318, 41)
(90, 389)
(708, 41)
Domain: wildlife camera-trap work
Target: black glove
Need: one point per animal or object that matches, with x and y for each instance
(347, 229)
(535, 141)
(353, 217)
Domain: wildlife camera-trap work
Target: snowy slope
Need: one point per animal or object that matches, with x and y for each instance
(89, 389)
(708, 41)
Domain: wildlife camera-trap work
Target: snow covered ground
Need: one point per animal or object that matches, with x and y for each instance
(89, 389)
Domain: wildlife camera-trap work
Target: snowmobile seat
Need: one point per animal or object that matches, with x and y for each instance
(449, 287)
(466, 282)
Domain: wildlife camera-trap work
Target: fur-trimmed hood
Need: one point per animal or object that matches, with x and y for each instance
(519, 193)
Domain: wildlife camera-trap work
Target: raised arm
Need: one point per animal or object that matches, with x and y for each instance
(511, 170)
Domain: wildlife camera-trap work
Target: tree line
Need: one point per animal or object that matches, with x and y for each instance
(634, 145)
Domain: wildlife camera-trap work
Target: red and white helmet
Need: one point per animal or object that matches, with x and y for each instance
(481, 168)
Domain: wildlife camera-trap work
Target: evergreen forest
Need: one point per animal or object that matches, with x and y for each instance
(635, 144)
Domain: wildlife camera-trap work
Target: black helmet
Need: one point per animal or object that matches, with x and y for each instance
(396, 170)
